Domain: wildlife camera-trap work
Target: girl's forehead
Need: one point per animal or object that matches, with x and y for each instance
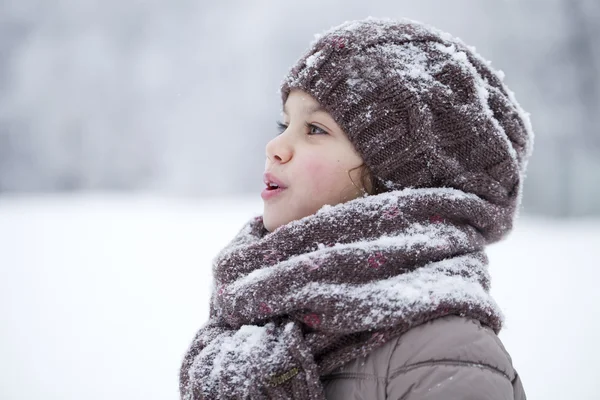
(302, 102)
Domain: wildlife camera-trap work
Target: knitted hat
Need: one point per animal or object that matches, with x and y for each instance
(422, 108)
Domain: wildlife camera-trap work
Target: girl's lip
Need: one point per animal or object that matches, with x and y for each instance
(269, 178)
(270, 193)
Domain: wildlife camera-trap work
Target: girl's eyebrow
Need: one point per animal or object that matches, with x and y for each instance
(309, 110)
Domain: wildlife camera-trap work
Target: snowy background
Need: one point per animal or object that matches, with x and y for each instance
(132, 141)
(101, 295)
(151, 95)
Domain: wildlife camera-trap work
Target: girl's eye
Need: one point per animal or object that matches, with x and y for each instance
(312, 129)
(281, 127)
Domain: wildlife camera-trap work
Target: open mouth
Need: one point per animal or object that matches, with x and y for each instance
(272, 182)
(273, 187)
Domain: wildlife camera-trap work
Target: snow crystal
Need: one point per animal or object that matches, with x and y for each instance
(312, 59)
(310, 62)
(501, 74)
(410, 61)
(239, 351)
(374, 204)
(481, 87)
(391, 299)
(428, 236)
(241, 342)
(384, 199)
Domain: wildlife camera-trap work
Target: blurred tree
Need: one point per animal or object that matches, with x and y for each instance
(181, 97)
(580, 150)
(583, 17)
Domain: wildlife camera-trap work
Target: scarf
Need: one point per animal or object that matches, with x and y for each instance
(294, 304)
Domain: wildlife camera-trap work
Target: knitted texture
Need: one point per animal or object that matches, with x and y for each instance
(437, 127)
(422, 108)
(292, 305)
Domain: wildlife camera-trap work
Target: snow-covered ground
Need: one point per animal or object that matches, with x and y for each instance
(100, 295)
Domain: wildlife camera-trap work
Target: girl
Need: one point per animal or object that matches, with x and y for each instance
(401, 156)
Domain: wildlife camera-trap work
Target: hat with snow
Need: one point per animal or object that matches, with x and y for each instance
(422, 108)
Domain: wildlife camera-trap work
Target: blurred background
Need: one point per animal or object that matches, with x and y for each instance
(132, 139)
(181, 97)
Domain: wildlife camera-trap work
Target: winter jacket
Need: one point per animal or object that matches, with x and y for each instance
(444, 359)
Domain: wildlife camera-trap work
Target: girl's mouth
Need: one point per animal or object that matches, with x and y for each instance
(271, 191)
(274, 186)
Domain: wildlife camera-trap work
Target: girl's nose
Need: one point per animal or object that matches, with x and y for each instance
(278, 151)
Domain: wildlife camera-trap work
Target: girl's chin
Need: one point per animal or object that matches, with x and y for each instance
(270, 221)
(273, 219)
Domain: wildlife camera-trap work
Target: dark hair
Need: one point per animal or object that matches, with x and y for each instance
(368, 182)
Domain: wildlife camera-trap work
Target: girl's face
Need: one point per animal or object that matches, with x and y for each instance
(312, 159)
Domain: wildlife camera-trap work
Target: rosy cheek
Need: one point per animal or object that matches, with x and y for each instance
(319, 174)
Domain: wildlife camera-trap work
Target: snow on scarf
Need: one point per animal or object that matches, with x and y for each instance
(294, 304)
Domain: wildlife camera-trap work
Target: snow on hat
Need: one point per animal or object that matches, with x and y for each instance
(422, 108)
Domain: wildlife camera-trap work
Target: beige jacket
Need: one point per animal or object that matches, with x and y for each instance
(445, 359)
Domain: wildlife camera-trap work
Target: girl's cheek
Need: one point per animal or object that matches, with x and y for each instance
(321, 175)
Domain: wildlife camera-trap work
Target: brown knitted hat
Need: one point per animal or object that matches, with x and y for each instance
(422, 108)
